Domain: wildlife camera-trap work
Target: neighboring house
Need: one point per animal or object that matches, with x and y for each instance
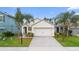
(59, 28)
(75, 30)
(7, 23)
(38, 27)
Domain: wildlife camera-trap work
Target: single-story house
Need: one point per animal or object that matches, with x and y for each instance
(7, 23)
(38, 27)
(59, 28)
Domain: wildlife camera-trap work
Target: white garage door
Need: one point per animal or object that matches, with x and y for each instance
(43, 32)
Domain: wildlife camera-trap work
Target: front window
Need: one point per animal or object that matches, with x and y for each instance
(1, 18)
(29, 28)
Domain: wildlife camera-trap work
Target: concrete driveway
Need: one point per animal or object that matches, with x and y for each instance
(44, 42)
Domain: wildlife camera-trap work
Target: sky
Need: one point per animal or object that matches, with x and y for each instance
(40, 12)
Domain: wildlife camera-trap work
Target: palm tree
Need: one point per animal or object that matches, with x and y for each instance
(19, 18)
(19, 21)
(29, 18)
(67, 18)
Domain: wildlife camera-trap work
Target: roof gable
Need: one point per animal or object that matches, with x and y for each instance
(42, 23)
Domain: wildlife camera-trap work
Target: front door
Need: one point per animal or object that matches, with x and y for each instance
(57, 29)
(25, 30)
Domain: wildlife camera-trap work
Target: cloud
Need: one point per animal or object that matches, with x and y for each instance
(72, 8)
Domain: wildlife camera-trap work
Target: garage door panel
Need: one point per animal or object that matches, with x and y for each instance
(43, 32)
(42, 27)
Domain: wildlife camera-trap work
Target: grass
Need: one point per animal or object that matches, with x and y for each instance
(15, 42)
(70, 41)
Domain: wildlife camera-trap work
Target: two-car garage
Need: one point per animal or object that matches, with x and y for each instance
(43, 32)
(43, 29)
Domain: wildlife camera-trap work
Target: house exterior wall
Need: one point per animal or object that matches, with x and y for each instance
(8, 24)
(75, 31)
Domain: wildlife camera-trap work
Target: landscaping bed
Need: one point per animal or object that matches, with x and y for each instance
(68, 41)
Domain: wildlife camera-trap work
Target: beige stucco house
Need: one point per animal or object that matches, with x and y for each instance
(39, 27)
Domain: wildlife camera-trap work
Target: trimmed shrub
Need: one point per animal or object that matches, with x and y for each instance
(8, 34)
(29, 34)
(1, 36)
(70, 32)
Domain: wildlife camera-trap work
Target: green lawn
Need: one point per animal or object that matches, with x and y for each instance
(15, 42)
(70, 41)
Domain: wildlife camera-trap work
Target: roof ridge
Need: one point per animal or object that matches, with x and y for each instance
(7, 14)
